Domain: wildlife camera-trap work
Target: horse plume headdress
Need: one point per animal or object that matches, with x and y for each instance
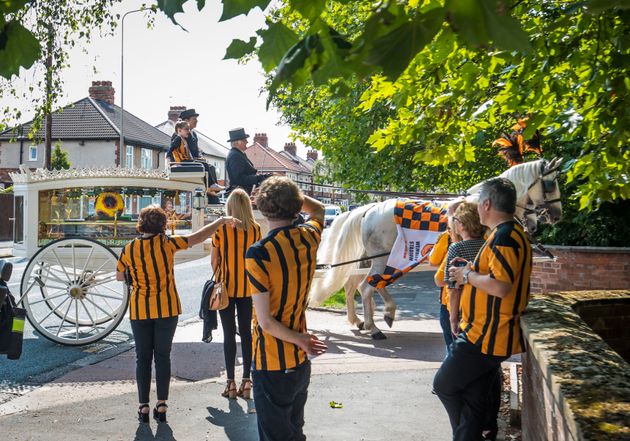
(513, 146)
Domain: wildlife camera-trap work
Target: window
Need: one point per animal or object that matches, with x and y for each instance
(32, 153)
(146, 158)
(129, 156)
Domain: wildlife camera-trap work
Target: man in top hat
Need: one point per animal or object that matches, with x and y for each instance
(190, 116)
(239, 169)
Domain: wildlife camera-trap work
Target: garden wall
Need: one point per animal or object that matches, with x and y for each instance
(576, 387)
(582, 268)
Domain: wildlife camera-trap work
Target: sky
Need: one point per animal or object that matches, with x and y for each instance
(167, 66)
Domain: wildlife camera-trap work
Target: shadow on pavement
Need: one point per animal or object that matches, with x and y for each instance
(406, 345)
(237, 423)
(162, 433)
(208, 363)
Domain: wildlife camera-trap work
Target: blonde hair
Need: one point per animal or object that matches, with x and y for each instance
(181, 124)
(468, 217)
(239, 206)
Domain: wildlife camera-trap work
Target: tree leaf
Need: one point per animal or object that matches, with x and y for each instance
(11, 6)
(233, 8)
(239, 48)
(171, 7)
(599, 6)
(277, 40)
(394, 51)
(478, 22)
(504, 31)
(21, 49)
(310, 9)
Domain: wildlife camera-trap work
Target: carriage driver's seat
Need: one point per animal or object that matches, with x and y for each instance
(188, 171)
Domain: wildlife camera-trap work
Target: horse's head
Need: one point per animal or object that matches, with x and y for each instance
(544, 203)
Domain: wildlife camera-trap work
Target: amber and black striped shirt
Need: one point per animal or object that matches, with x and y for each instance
(232, 243)
(490, 322)
(283, 264)
(178, 151)
(149, 261)
(438, 258)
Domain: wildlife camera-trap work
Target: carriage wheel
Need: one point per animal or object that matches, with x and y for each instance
(70, 292)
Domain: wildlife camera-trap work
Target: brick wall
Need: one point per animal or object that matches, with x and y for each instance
(542, 415)
(582, 268)
(609, 319)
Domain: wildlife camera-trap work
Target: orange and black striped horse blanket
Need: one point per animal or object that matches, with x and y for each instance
(419, 223)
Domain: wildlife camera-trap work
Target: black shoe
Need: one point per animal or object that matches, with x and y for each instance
(160, 416)
(207, 338)
(143, 417)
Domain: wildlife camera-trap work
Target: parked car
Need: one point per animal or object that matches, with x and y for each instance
(330, 213)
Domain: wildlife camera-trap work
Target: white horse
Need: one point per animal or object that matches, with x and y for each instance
(370, 230)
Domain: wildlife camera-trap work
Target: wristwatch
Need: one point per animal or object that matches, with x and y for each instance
(468, 271)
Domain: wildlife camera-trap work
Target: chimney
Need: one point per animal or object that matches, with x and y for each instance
(174, 112)
(103, 91)
(261, 138)
(291, 148)
(312, 155)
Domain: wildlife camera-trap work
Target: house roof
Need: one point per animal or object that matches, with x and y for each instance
(307, 164)
(90, 119)
(207, 145)
(267, 159)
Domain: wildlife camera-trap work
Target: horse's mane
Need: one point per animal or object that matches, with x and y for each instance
(522, 175)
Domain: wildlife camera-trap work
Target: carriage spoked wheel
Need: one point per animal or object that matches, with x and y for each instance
(70, 292)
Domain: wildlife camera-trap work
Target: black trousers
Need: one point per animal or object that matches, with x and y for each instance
(464, 383)
(280, 397)
(154, 339)
(243, 308)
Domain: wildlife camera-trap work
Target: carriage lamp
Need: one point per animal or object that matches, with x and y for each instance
(199, 199)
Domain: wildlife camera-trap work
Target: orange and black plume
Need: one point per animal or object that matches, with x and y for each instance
(513, 146)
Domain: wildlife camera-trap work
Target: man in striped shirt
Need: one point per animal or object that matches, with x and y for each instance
(495, 293)
(280, 269)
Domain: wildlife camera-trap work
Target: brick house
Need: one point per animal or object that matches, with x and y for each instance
(213, 151)
(89, 130)
(286, 162)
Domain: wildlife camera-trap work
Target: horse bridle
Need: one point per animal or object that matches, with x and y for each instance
(548, 187)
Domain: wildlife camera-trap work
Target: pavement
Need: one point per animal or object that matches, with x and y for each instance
(384, 387)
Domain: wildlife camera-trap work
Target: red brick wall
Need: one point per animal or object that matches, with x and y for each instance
(542, 416)
(609, 319)
(582, 268)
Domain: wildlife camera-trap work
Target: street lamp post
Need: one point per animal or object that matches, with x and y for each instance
(122, 88)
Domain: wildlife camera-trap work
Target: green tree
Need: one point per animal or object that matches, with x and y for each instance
(59, 160)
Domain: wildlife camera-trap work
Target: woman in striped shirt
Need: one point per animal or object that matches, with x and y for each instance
(154, 306)
(229, 245)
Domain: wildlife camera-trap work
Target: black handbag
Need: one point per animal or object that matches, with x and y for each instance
(11, 326)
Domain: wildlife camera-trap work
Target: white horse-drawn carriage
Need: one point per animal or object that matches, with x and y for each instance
(72, 225)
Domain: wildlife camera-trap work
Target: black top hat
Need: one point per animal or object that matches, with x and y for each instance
(236, 134)
(188, 113)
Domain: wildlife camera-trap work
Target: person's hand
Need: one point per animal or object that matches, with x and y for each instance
(231, 221)
(455, 327)
(311, 344)
(456, 272)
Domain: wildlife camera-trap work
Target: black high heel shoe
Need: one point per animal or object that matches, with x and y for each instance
(143, 417)
(160, 416)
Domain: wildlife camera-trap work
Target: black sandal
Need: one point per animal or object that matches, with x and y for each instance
(160, 416)
(143, 417)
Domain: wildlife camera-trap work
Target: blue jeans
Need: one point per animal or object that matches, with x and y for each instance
(280, 397)
(445, 323)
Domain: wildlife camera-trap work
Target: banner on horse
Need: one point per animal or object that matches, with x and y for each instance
(418, 224)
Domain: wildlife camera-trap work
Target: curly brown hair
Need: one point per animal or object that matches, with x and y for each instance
(468, 217)
(152, 220)
(279, 198)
